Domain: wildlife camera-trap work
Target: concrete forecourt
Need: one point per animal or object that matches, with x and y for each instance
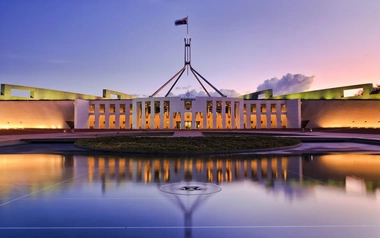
(328, 140)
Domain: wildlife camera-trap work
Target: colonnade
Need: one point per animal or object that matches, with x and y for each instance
(187, 113)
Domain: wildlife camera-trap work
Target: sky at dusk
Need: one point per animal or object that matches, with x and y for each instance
(133, 46)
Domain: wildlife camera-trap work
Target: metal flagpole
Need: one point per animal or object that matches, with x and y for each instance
(187, 65)
(187, 42)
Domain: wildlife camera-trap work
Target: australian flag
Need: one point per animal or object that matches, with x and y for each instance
(181, 22)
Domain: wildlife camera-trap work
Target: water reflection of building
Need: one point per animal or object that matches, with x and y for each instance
(335, 169)
(355, 185)
(191, 169)
(270, 171)
(33, 172)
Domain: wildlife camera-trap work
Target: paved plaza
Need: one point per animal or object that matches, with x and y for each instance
(369, 139)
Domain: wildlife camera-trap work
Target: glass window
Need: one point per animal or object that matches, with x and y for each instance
(122, 108)
(102, 108)
(219, 106)
(92, 108)
(283, 107)
(188, 104)
(273, 107)
(263, 108)
(112, 108)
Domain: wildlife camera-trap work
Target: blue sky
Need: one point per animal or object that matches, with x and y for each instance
(132, 46)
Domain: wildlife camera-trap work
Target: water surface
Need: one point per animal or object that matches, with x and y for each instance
(76, 195)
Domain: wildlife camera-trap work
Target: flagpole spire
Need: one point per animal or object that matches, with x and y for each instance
(187, 45)
(187, 64)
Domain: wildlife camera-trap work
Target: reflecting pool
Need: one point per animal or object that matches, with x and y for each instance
(77, 195)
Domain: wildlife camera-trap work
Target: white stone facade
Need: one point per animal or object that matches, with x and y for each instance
(187, 113)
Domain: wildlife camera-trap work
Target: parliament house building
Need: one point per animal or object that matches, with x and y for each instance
(44, 108)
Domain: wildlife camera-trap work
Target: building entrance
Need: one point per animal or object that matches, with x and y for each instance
(188, 124)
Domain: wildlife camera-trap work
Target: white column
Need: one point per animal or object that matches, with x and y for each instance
(152, 114)
(241, 114)
(182, 113)
(162, 116)
(117, 116)
(106, 116)
(232, 114)
(293, 113)
(223, 114)
(81, 114)
(127, 114)
(258, 115)
(136, 114)
(238, 114)
(143, 115)
(213, 114)
(248, 116)
(278, 114)
(269, 113)
(193, 118)
(97, 116)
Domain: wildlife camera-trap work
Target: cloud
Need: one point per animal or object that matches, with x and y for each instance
(194, 93)
(227, 92)
(198, 93)
(290, 83)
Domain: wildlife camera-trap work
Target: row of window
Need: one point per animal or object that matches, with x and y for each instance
(112, 108)
(263, 107)
(187, 106)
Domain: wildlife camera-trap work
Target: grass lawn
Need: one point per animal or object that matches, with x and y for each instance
(167, 144)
